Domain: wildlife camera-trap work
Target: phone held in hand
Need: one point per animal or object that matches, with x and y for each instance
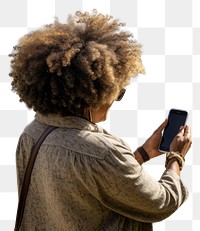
(176, 119)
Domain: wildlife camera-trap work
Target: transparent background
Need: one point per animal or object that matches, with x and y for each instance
(169, 31)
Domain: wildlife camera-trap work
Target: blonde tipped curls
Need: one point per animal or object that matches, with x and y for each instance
(68, 68)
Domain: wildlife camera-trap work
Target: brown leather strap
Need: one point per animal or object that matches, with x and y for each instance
(27, 177)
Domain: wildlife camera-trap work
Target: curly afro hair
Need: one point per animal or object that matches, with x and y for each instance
(68, 68)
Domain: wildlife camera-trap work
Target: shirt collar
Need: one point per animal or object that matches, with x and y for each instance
(67, 122)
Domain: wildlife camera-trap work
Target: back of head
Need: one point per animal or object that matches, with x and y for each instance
(68, 68)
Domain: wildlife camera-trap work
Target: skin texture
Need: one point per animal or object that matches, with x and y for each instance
(79, 69)
(101, 114)
(181, 143)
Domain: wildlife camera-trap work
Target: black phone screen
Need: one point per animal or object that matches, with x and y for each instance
(176, 119)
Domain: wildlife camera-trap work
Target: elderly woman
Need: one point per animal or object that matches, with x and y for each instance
(85, 178)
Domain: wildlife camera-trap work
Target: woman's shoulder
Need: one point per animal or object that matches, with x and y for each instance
(97, 144)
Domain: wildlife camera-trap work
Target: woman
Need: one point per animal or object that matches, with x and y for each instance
(85, 178)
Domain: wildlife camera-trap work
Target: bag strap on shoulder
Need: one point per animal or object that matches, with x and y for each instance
(27, 177)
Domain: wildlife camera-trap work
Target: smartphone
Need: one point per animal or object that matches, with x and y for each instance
(176, 119)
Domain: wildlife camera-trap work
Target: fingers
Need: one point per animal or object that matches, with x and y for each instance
(186, 147)
(181, 131)
(187, 135)
(184, 131)
(187, 131)
(162, 126)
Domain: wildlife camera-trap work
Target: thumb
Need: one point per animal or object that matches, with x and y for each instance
(161, 127)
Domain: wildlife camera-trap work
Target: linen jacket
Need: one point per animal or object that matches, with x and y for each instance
(87, 179)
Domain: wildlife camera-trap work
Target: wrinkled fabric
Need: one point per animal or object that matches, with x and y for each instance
(87, 179)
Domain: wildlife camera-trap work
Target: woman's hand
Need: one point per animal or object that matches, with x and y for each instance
(152, 143)
(182, 141)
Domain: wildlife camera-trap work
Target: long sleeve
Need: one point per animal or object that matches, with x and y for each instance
(86, 179)
(123, 186)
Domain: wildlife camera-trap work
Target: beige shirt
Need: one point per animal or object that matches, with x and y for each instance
(87, 179)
